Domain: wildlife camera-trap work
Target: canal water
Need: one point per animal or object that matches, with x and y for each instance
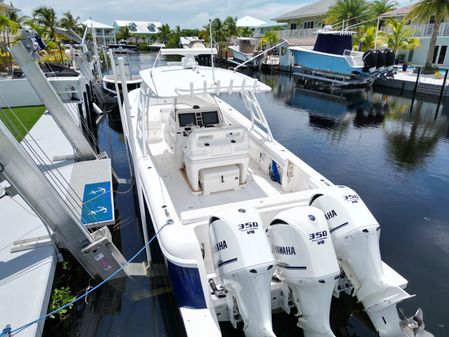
(394, 156)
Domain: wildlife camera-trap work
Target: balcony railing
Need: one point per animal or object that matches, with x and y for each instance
(297, 33)
(424, 30)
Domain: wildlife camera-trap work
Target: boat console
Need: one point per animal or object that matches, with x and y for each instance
(215, 156)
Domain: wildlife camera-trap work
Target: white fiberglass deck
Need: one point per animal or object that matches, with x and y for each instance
(258, 184)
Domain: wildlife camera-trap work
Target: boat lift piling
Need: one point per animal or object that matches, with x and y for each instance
(414, 90)
(24, 53)
(443, 85)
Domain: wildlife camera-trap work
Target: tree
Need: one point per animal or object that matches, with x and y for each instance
(46, 18)
(8, 26)
(423, 11)
(230, 26)
(218, 33)
(123, 33)
(68, 21)
(379, 7)
(348, 12)
(164, 33)
(367, 40)
(270, 38)
(399, 36)
(244, 31)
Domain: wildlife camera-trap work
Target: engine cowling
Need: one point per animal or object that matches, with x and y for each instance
(307, 263)
(244, 265)
(355, 234)
(370, 61)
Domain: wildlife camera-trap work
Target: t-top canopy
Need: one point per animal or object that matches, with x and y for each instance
(173, 81)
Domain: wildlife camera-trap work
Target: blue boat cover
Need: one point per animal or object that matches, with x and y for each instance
(333, 43)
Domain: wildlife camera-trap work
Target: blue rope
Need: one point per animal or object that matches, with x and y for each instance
(7, 331)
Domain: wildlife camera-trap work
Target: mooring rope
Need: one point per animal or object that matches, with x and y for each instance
(8, 331)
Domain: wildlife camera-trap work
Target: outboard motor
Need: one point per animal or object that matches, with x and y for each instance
(380, 63)
(306, 262)
(369, 61)
(389, 59)
(244, 265)
(355, 234)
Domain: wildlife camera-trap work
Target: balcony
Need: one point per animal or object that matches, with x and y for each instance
(297, 33)
(424, 30)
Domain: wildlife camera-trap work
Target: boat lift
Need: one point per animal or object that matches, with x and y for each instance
(69, 208)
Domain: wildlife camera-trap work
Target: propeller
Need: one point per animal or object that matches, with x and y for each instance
(414, 326)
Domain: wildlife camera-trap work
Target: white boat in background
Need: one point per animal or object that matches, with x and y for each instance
(332, 57)
(191, 42)
(245, 226)
(133, 81)
(245, 49)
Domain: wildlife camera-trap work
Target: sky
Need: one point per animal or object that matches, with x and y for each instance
(186, 13)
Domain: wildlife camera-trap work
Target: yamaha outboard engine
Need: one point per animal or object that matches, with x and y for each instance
(369, 61)
(389, 59)
(306, 262)
(380, 63)
(244, 265)
(355, 234)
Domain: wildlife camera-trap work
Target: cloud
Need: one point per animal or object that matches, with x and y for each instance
(186, 13)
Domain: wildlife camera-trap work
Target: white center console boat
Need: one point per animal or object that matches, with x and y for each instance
(248, 228)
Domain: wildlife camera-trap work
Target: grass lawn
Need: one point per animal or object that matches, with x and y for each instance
(28, 115)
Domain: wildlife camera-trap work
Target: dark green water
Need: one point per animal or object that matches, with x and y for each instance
(397, 160)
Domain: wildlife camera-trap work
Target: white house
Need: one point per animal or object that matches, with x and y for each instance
(105, 34)
(140, 29)
(423, 32)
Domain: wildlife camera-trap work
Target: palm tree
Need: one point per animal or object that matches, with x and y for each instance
(218, 33)
(399, 37)
(244, 31)
(8, 26)
(379, 7)
(164, 33)
(68, 21)
(46, 18)
(270, 38)
(367, 40)
(230, 27)
(423, 11)
(349, 12)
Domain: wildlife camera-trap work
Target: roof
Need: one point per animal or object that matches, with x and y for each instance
(272, 24)
(95, 24)
(140, 27)
(399, 12)
(312, 9)
(161, 81)
(9, 7)
(301, 42)
(249, 21)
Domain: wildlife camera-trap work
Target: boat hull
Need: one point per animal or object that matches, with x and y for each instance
(243, 57)
(326, 63)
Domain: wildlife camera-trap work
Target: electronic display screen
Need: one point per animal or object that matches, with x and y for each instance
(186, 119)
(210, 118)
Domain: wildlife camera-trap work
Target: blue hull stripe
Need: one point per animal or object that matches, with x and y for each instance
(186, 285)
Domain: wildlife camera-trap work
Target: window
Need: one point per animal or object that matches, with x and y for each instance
(410, 55)
(435, 53)
(293, 26)
(442, 55)
(308, 24)
(283, 50)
